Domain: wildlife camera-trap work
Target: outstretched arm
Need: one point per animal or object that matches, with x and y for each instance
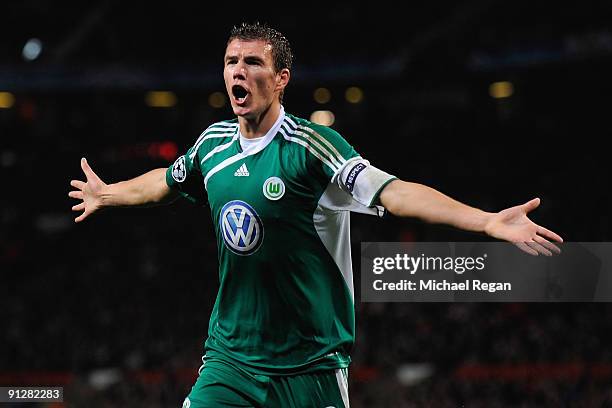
(147, 189)
(406, 199)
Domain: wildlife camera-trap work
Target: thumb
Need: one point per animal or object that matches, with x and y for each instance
(89, 173)
(532, 205)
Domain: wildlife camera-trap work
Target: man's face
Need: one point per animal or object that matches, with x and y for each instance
(250, 80)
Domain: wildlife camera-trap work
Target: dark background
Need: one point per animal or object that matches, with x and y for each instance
(116, 309)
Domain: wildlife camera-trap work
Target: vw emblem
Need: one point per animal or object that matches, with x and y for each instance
(241, 228)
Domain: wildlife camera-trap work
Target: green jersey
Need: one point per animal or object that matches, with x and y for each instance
(280, 206)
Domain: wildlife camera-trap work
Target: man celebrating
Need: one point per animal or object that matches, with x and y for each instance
(281, 189)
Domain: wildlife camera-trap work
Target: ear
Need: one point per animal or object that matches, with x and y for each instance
(282, 79)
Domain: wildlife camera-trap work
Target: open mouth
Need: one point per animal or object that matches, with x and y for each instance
(240, 93)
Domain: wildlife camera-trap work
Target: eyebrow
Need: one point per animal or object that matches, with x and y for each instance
(246, 57)
(254, 58)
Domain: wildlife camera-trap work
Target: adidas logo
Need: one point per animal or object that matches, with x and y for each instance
(242, 171)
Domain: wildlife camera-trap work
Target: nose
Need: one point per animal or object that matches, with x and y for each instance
(239, 71)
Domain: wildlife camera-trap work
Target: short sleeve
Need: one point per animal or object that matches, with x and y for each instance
(353, 184)
(362, 181)
(185, 176)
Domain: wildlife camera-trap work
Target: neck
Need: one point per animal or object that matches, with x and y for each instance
(259, 125)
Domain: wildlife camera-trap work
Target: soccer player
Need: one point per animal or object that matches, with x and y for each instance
(280, 189)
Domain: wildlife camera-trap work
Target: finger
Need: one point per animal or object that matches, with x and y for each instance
(532, 205)
(78, 207)
(76, 194)
(549, 234)
(87, 170)
(77, 184)
(539, 248)
(81, 217)
(549, 245)
(526, 248)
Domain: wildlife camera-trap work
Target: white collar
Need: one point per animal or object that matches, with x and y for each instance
(265, 139)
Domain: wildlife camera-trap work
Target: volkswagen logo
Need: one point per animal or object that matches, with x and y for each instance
(241, 228)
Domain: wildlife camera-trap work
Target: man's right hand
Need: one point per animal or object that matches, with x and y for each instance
(89, 191)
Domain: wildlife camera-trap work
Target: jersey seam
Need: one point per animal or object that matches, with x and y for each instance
(375, 197)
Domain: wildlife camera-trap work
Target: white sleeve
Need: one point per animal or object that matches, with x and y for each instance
(355, 187)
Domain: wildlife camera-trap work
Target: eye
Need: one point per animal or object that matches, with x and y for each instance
(253, 61)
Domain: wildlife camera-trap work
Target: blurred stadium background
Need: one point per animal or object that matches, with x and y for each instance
(491, 102)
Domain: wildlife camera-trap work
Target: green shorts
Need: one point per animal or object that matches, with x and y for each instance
(221, 384)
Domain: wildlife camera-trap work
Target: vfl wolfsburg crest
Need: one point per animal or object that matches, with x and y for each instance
(241, 228)
(274, 188)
